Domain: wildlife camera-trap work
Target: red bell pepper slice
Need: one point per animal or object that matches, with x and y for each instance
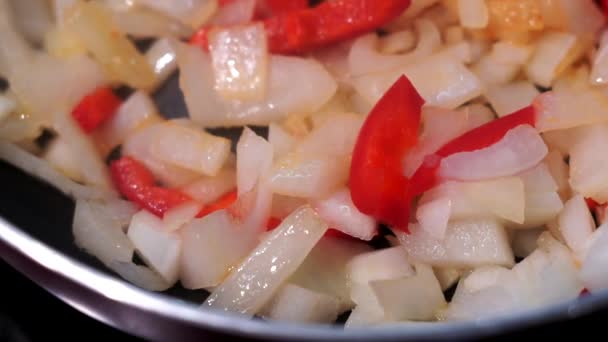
(96, 108)
(332, 21)
(136, 183)
(268, 8)
(377, 183)
(222, 203)
(604, 6)
(591, 203)
(481, 137)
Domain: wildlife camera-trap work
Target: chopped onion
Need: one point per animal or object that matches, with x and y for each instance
(34, 18)
(520, 149)
(509, 98)
(466, 244)
(335, 137)
(175, 218)
(293, 303)
(447, 276)
(365, 59)
(190, 148)
(282, 142)
(163, 60)
(234, 13)
(589, 165)
(136, 112)
(43, 170)
(559, 171)
(99, 234)
(433, 216)
(416, 297)
(308, 177)
(254, 160)
(159, 248)
(209, 189)
(576, 224)
(478, 114)
(599, 72)
(524, 241)
(594, 273)
(440, 79)
(61, 156)
(340, 213)
(397, 42)
(282, 206)
(583, 17)
(119, 57)
(504, 197)
(555, 51)
(541, 208)
(240, 62)
(539, 179)
(314, 88)
(142, 23)
(193, 13)
(7, 106)
(324, 269)
(140, 276)
(473, 13)
(252, 284)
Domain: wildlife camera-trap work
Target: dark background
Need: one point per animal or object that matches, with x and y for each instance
(29, 313)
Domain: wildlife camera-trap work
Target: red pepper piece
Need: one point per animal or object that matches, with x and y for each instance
(481, 137)
(95, 108)
(592, 204)
(222, 203)
(268, 8)
(136, 183)
(605, 7)
(377, 184)
(273, 222)
(332, 21)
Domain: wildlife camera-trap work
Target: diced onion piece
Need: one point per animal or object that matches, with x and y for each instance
(177, 217)
(524, 242)
(253, 160)
(253, 283)
(99, 234)
(34, 18)
(478, 115)
(539, 179)
(282, 142)
(509, 98)
(208, 189)
(135, 112)
(466, 244)
(240, 62)
(416, 297)
(520, 149)
(163, 60)
(139, 146)
(340, 213)
(594, 273)
(397, 42)
(576, 224)
(63, 43)
(599, 72)
(35, 166)
(364, 58)
(234, 13)
(159, 248)
(473, 13)
(555, 51)
(92, 167)
(7, 106)
(335, 137)
(589, 164)
(61, 156)
(140, 276)
(440, 79)
(193, 13)
(559, 171)
(541, 208)
(324, 269)
(504, 197)
(211, 246)
(447, 276)
(282, 206)
(142, 23)
(190, 148)
(314, 88)
(583, 18)
(433, 216)
(119, 57)
(293, 303)
(503, 63)
(308, 177)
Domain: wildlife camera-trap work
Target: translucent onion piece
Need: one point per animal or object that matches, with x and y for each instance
(473, 13)
(593, 272)
(208, 189)
(177, 217)
(141, 23)
(599, 72)
(589, 165)
(240, 62)
(340, 213)
(524, 242)
(34, 18)
(433, 216)
(282, 142)
(520, 149)
(253, 161)
(466, 244)
(335, 136)
(163, 59)
(509, 98)
(193, 13)
(33, 165)
(576, 224)
(260, 275)
(314, 88)
(61, 156)
(293, 303)
(140, 276)
(235, 13)
(553, 54)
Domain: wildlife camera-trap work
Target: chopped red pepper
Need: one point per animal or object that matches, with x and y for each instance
(605, 7)
(481, 137)
(332, 21)
(377, 183)
(268, 8)
(136, 183)
(95, 108)
(273, 222)
(222, 203)
(592, 204)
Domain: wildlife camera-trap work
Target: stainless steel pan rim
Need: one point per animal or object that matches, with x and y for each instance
(20, 249)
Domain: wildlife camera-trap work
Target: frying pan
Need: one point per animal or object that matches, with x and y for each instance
(36, 239)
